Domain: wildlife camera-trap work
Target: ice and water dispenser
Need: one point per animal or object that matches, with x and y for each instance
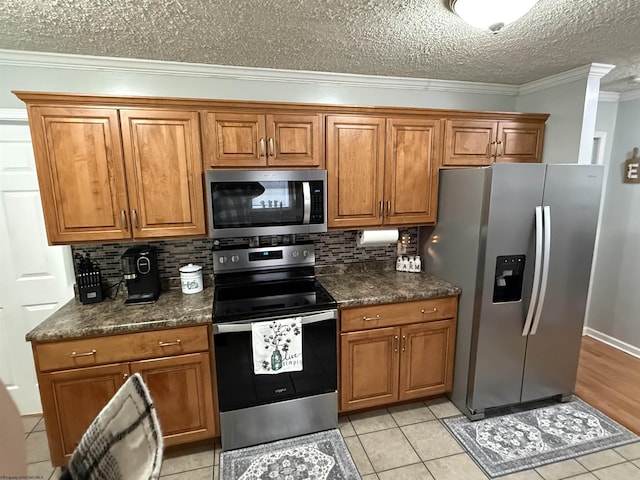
(507, 285)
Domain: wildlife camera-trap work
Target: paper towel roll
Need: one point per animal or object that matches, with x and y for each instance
(377, 238)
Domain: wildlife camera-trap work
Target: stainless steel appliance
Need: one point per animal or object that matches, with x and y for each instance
(518, 239)
(247, 203)
(263, 284)
(140, 271)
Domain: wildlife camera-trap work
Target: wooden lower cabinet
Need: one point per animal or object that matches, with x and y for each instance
(182, 394)
(380, 366)
(180, 384)
(71, 399)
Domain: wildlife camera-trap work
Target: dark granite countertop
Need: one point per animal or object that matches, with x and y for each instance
(110, 317)
(350, 284)
(379, 282)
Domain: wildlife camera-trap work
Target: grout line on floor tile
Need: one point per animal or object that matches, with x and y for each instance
(365, 450)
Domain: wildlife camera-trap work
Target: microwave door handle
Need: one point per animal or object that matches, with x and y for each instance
(306, 198)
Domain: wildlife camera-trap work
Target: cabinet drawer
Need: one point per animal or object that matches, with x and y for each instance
(392, 314)
(119, 348)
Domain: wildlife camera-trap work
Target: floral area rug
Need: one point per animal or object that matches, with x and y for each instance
(529, 439)
(319, 456)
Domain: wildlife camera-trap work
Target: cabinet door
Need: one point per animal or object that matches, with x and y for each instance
(181, 390)
(369, 368)
(411, 171)
(234, 140)
(294, 141)
(520, 142)
(469, 142)
(164, 172)
(78, 157)
(426, 363)
(355, 170)
(71, 400)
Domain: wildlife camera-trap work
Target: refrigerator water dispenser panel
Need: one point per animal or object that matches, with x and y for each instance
(507, 286)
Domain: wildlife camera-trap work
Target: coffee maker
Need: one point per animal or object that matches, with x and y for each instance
(140, 270)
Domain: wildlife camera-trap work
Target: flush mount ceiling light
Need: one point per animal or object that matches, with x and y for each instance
(491, 14)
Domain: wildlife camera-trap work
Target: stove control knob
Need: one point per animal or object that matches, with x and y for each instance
(305, 253)
(235, 258)
(222, 260)
(295, 254)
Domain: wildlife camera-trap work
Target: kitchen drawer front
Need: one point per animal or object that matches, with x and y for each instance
(120, 348)
(393, 314)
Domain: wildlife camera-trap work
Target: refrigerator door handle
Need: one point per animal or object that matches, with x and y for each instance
(545, 268)
(535, 289)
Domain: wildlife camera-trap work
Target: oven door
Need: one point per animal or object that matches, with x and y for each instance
(254, 202)
(239, 387)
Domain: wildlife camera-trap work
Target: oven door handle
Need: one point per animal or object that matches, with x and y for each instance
(246, 327)
(306, 199)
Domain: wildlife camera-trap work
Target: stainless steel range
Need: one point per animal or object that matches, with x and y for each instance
(258, 285)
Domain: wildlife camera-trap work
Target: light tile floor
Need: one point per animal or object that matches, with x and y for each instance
(407, 442)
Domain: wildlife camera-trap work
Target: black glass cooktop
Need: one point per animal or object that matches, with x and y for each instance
(237, 301)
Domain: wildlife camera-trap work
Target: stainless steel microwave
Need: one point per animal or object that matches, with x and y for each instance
(247, 203)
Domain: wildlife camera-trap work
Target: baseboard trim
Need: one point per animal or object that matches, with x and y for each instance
(611, 341)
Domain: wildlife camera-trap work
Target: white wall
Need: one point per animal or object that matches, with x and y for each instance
(563, 131)
(614, 309)
(94, 75)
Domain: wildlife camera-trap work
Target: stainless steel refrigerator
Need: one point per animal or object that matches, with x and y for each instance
(518, 239)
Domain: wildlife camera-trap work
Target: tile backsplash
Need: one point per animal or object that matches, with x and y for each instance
(331, 248)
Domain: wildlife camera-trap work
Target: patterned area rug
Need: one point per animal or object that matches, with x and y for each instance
(319, 456)
(529, 439)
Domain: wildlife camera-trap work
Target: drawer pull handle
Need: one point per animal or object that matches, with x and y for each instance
(435, 309)
(87, 354)
(169, 344)
(377, 317)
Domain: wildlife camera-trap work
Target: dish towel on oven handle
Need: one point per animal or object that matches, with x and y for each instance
(277, 346)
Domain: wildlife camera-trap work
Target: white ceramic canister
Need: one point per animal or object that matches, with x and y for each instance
(191, 278)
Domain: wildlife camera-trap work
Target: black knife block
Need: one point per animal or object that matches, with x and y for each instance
(90, 286)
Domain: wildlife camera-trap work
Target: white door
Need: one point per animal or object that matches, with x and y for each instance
(35, 279)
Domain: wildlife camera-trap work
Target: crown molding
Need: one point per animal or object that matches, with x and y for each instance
(13, 114)
(593, 70)
(17, 58)
(628, 96)
(612, 97)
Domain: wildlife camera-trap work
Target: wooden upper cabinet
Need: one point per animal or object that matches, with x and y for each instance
(411, 171)
(471, 142)
(355, 170)
(164, 172)
(371, 186)
(81, 175)
(253, 140)
(520, 142)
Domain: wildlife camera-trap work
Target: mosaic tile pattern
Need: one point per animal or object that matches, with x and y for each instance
(331, 248)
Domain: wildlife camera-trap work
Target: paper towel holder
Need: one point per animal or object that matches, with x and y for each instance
(376, 237)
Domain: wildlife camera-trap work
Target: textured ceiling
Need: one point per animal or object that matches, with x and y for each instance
(406, 38)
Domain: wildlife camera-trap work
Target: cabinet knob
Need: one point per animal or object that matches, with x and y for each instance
(404, 343)
(123, 219)
(272, 147)
(125, 376)
(397, 342)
